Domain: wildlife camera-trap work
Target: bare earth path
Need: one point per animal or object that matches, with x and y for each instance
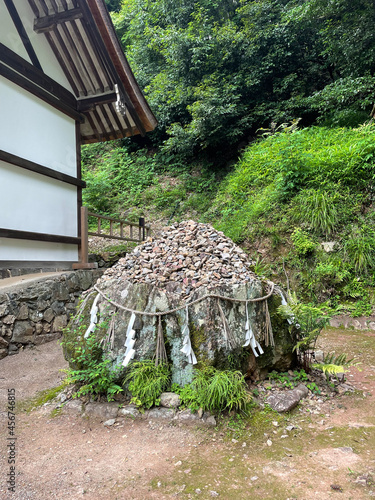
(328, 451)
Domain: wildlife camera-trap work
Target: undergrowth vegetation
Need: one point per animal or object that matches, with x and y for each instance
(301, 198)
(215, 390)
(147, 382)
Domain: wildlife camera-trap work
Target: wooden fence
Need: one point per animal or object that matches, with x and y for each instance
(118, 230)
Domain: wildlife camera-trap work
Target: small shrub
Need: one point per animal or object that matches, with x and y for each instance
(89, 371)
(333, 364)
(99, 378)
(308, 321)
(302, 242)
(92, 374)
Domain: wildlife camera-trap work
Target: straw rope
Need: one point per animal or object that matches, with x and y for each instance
(170, 311)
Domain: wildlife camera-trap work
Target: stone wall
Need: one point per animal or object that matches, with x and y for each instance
(36, 312)
(359, 323)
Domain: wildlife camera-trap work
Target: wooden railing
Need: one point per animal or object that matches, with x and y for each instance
(118, 230)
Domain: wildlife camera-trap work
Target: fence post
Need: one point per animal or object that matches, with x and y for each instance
(142, 234)
(84, 236)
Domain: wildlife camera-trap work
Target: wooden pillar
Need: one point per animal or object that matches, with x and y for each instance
(84, 247)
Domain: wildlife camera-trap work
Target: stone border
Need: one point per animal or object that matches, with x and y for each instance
(109, 412)
(359, 323)
(35, 311)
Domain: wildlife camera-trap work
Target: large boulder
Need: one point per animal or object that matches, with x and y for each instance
(191, 264)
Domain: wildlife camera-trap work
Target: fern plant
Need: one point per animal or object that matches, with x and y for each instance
(93, 375)
(332, 365)
(308, 321)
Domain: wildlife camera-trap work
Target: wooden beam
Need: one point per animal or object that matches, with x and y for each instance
(29, 235)
(89, 103)
(34, 74)
(22, 33)
(40, 93)
(40, 169)
(98, 43)
(48, 23)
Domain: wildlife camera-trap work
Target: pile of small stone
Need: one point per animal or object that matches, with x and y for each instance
(189, 254)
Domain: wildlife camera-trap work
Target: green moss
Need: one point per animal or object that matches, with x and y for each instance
(56, 412)
(39, 399)
(198, 338)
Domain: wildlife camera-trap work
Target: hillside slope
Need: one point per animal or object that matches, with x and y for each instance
(299, 202)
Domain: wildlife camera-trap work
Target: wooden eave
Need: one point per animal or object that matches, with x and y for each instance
(83, 39)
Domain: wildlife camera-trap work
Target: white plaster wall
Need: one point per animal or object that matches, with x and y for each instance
(33, 130)
(10, 37)
(22, 250)
(33, 202)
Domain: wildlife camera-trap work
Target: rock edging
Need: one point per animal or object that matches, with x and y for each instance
(110, 412)
(359, 323)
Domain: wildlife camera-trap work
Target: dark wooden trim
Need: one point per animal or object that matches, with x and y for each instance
(44, 7)
(40, 93)
(39, 169)
(34, 7)
(29, 235)
(113, 237)
(61, 61)
(79, 190)
(37, 76)
(34, 267)
(98, 43)
(48, 23)
(89, 103)
(72, 69)
(22, 33)
(94, 127)
(101, 124)
(100, 86)
(76, 54)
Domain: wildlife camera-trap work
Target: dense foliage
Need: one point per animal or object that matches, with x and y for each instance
(222, 74)
(291, 192)
(215, 71)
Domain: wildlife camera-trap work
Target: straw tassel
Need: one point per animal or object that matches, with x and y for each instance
(110, 337)
(269, 340)
(161, 353)
(230, 341)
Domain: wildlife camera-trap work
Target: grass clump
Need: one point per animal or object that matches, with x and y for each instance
(215, 390)
(147, 382)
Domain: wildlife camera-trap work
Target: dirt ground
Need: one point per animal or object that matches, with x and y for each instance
(324, 451)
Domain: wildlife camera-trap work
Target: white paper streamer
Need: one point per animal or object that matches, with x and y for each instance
(93, 317)
(128, 357)
(292, 318)
(285, 303)
(187, 348)
(250, 337)
(129, 342)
